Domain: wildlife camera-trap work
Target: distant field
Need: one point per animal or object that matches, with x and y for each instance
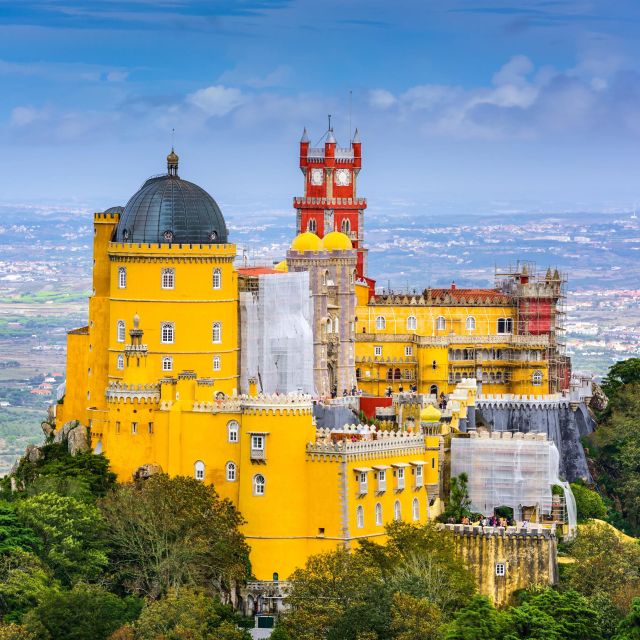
(19, 427)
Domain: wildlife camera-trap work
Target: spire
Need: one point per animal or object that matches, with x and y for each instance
(356, 136)
(305, 137)
(330, 137)
(172, 163)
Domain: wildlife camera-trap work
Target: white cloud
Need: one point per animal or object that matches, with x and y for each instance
(382, 99)
(216, 100)
(23, 116)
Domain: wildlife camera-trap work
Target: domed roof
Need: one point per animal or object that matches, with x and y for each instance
(117, 209)
(336, 241)
(306, 241)
(282, 266)
(430, 414)
(169, 210)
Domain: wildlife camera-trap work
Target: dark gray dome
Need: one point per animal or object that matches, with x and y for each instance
(117, 209)
(170, 210)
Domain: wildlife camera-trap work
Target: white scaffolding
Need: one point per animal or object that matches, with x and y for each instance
(510, 470)
(276, 334)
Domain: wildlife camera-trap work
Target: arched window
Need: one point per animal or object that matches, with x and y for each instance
(381, 323)
(312, 225)
(397, 510)
(120, 362)
(378, 514)
(122, 278)
(441, 323)
(325, 278)
(121, 331)
(360, 517)
(216, 332)
(397, 375)
(168, 279)
(390, 374)
(167, 333)
(336, 326)
(258, 485)
(233, 429)
(346, 226)
(412, 323)
(358, 373)
(217, 278)
(216, 363)
(198, 469)
(433, 390)
(537, 378)
(416, 509)
(329, 325)
(167, 363)
(471, 323)
(231, 472)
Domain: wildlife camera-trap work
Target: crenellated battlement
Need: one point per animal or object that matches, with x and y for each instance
(124, 250)
(513, 401)
(263, 404)
(531, 531)
(121, 392)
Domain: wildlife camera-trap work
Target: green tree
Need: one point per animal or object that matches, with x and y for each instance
(86, 612)
(589, 503)
(459, 502)
(14, 631)
(622, 373)
(604, 564)
(478, 620)
(629, 628)
(13, 534)
(166, 533)
(71, 532)
(414, 618)
(24, 581)
(186, 615)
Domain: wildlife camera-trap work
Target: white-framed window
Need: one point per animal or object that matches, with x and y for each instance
(120, 362)
(217, 278)
(505, 325)
(122, 278)
(441, 323)
(397, 510)
(382, 480)
(362, 482)
(198, 470)
(312, 225)
(231, 472)
(258, 484)
(257, 442)
(381, 323)
(216, 332)
(216, 363)
(537, 378)
(167, 363)
(408, 351)
(167, 333)
(121, 331)
(134, 428)
(360, 517)
(501, 569)
(233, 430)
(378, 514)
(415, 509)
(412, 323)
(471, 323)
(419, 476)
(168, 279)
(345, 226)
(400, 478)
(377, 351)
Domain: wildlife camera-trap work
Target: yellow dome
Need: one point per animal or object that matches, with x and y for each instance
(430, 414)
(282, 266)
(336, 241)
(306, 242)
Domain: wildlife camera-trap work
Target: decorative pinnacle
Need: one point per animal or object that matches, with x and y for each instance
(305, 137)
(172, 163)
(356, 136)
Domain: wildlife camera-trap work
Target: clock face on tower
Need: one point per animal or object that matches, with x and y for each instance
(343, 177)
(316, 176)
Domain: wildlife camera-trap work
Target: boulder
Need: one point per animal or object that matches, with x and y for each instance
(47, 429)
(78, 440)
(62, 434)
(599, 400)
(33, 453)
(146, 471)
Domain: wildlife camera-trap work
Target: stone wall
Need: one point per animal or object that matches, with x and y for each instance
(529, 557)
(563, 422)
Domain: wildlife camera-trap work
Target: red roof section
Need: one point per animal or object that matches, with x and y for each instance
(256, 271)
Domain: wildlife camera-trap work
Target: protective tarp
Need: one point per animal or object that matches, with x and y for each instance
(511, 470)
(276, 334)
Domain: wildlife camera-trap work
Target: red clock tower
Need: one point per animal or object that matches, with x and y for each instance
(330, 201)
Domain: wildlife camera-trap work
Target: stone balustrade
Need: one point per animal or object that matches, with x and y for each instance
(119, 391)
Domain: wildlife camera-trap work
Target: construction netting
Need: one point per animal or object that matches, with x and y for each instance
(276, 334)
(511, 470)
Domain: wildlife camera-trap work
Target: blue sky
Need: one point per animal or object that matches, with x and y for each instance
(463, 105)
